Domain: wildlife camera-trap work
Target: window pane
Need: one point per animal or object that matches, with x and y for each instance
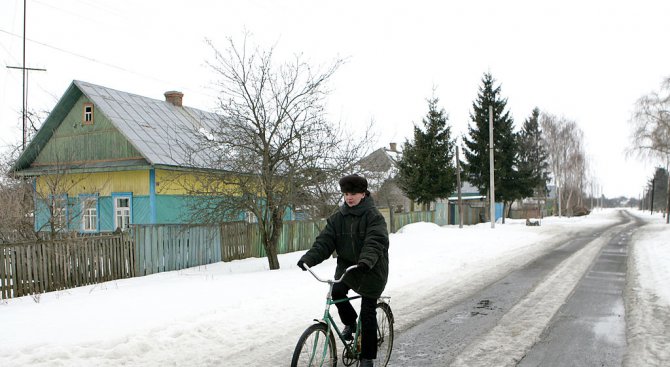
(90, 215)
(122, 213)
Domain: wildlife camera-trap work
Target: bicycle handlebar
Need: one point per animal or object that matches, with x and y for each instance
(328, 280)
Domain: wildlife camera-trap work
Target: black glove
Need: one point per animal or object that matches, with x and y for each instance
(363, 267)
(301, 265)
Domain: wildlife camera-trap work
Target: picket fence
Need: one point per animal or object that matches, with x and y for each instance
(44, 266)
(33, 268)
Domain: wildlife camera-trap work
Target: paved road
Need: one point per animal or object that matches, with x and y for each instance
(590, 323)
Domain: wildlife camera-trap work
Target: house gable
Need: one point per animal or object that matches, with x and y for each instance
(75, 142)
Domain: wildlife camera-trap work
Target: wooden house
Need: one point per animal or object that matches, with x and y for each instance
(381, 170)
(105, 159)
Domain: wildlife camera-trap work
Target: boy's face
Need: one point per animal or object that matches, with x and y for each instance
(353, 199)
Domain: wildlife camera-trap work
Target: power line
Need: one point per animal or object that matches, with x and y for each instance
(83, 57)
(100, 62)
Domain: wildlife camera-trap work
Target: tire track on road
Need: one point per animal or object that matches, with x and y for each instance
(519, 329)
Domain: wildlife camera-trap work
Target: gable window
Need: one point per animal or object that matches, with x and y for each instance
(88, 114)
(122, 211)
(89, 214)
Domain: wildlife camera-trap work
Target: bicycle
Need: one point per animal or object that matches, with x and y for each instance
(317, 347)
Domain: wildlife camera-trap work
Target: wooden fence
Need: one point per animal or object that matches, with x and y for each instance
(160, 248)
(30, 268)
(170, 247)
(295, 236)
(37, 267)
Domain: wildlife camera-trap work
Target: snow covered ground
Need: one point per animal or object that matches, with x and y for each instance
(241, 314)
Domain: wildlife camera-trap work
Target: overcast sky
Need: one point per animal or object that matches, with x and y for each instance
(585, 60)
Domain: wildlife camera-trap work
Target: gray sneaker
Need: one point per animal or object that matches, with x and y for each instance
(367, 363)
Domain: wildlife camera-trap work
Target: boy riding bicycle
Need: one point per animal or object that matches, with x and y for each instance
(358, 233)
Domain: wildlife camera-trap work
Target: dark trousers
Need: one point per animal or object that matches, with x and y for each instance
(368, 319)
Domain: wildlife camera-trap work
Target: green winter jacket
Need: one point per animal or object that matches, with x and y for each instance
(358, 234)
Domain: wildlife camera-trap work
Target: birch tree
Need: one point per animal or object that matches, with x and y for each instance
(650, 130)
(568, 163)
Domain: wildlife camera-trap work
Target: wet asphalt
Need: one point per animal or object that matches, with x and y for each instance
(591, 324)
(590, 328)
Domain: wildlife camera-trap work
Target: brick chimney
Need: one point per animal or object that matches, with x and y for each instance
(393, 147)
(174, 97)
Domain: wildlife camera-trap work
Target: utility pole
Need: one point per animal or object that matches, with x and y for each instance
(458, 185)
(24, 108)
(492, 189)
(651, 201)
(24, 69)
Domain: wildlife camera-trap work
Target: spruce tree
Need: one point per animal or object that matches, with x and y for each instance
(508, 182)
(426, 169)
(533, 164)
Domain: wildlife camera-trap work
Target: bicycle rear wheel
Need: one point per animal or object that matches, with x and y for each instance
(316, 347)
(384, 333)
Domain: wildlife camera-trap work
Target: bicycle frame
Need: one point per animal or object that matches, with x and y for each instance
(328, 319)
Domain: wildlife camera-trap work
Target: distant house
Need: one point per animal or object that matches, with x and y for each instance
(105, 159)
(473, 202)
(381, 170)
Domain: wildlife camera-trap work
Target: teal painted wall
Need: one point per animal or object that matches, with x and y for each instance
(106, 214)
(141, 210)
(170, 209)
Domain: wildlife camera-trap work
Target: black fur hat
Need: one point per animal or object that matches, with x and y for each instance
(353, 184)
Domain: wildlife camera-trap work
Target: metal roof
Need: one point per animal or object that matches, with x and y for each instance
(163, 133)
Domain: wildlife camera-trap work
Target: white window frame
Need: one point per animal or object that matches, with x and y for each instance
(89, 213)
(123, 214)
(250, 217)
(88, 116)
(59, 212)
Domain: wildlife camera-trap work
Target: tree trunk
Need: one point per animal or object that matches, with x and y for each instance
(504, 211)
(270, 241)
(568, 208)
(667, 205)
(271, 252)
(390, 225)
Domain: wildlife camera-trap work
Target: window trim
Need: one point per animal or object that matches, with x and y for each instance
(83, 198)
(64, 226)
(250, 217)
(84, 121)
(122, 195)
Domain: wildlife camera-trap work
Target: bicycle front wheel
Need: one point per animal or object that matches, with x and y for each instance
(315, 348)
(384, 333)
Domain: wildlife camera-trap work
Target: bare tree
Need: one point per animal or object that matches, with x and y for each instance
(16, 222)
(567, 160)
(272, 146)
(650, 130)
(54, 210)
(17, 193)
